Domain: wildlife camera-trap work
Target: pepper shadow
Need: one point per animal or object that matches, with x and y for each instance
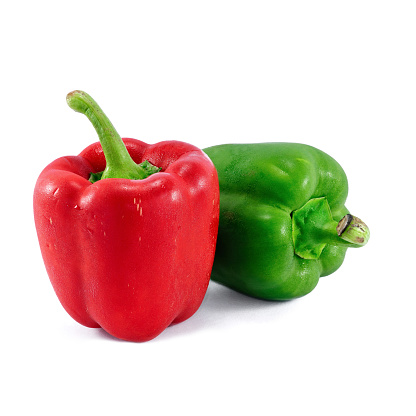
(223, 307)
(221, 300)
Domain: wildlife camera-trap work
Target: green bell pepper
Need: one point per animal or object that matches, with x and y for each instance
(283, 222)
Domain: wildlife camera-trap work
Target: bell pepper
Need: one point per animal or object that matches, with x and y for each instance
(128, 230)
(283, 220)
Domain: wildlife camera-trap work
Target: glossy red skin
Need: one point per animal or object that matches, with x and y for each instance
(130, 256)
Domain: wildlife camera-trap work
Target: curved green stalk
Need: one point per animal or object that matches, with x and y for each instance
(119, 163)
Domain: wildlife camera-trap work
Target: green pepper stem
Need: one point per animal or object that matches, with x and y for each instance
(119, 163)
(313, 228)
(349, 236)
(353, 230)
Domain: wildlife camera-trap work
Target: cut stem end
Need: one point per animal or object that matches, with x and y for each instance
(353, 230)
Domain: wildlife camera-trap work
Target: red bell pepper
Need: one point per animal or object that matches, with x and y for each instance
(133, 251)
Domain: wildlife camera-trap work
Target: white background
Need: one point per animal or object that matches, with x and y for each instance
(339, 76)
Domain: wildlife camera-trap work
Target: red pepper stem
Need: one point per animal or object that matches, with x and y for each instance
(119, 163)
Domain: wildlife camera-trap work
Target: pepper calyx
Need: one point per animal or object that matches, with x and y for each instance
(313, 227)
(148, 168)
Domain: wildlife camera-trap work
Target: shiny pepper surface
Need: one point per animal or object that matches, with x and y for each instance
(131, 252)
(283, 220)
